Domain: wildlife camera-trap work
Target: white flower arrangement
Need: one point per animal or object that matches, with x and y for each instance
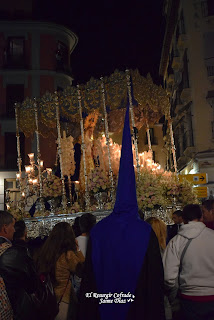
(98, 181)
(161, 189)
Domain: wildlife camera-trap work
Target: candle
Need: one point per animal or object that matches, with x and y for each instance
(41, 163)
(28, 169)
(18, 176)
(77, 185)
(34, 181)
(23, 194)
(49, 171)
(31, 157)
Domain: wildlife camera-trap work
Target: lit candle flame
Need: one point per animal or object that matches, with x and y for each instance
(35, 181)
(49, 170)
(18, 176)
(31, 156)
(28, 169)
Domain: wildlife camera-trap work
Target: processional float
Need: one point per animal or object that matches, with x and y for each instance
(147, 102)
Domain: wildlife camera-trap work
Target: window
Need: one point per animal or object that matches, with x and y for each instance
(152, 137)
(15, 52)
(14, 93)
(185, 71)
(62, 56)
(11, 150)
(177, 146)
(207, 8)
(12, 192)
(181, 23)
(212, 124)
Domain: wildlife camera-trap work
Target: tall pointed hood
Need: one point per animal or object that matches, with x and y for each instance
(119, 242)
(126, 199)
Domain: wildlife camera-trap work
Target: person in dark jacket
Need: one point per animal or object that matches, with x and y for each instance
(172, 229)
(208, 213)
(123, 276)
(6, 227)
(18, 271)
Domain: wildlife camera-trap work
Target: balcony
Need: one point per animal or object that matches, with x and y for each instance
(210, 71)
(15, 62)
(63, 68)
(182, 42)
(207, 8)
(186, 95)
(210, 98)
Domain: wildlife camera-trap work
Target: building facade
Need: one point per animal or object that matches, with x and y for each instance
(187, 68)
(34, 58)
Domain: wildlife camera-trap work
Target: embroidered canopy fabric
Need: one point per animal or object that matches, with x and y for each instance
(150, 103)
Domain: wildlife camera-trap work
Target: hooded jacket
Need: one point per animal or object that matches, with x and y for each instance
(197, 270)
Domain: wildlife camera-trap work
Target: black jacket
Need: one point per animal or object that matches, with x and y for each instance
(19, 274)
(172, 231)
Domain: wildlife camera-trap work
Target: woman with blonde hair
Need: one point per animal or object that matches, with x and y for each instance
(160, 229)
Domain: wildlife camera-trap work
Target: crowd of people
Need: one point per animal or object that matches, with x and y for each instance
(121, 268)
(187, 262)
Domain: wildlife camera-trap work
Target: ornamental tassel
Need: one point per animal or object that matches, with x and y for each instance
(19, 159)
(133, 121)
(172, 144)
(148, 137)
(64, 199)
(87, 197)
(108, 141)
(38, 151)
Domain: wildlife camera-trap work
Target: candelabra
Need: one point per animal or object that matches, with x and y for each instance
(32, 183)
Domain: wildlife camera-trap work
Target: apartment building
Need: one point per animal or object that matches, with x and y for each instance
(34, 58)
(187, 68)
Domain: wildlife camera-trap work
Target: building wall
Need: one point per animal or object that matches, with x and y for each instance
(48, 49)
(36, 71)
(191, 109)
(202, 113)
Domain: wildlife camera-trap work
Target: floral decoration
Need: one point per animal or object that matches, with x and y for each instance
(52, 186)
(161, 189)
(98, 181)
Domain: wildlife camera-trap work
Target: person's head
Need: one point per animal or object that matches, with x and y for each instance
(20, 230)
(192, 212)
(60, 241)
(160, 229)
(76, 227)
(208, 210)
(87, 221)
(177, 217)
(6, 225)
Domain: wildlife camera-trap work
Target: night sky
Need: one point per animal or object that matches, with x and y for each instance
(111, 35)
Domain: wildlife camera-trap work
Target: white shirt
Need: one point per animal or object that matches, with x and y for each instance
(82, 242)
